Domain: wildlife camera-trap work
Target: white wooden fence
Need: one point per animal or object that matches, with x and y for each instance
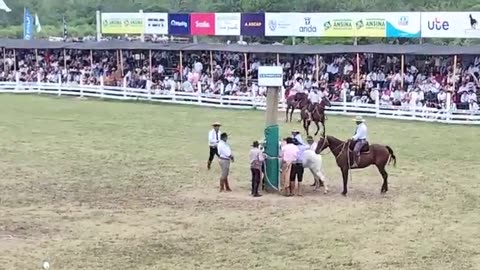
(450, 116)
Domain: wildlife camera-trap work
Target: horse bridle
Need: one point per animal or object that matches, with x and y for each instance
(323, 145)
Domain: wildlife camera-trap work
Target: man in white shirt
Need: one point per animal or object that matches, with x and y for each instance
(213, 140)
(225, 157)
(359, 139)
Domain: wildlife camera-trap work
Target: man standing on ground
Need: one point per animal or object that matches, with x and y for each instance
(297, 169)
(213, 139)
(256, 162)
(289, 155)
(225, 157)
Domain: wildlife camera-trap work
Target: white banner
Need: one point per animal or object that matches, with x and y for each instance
(279, 24)
(156, 23)
(227, 24)
(450, 24)
(307, 24)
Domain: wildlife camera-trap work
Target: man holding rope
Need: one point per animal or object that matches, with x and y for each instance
(256, 162)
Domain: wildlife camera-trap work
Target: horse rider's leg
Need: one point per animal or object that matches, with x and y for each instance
(286, 114)
(356, 153)
(345, 180)
(381, 169)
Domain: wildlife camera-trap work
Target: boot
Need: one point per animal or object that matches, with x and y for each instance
(227, 186)
(222, 185)
(355, 163)
(300, 189)
(292, 188)
(209, 165)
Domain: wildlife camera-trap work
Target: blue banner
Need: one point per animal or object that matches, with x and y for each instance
(27, 25)
(179, 23)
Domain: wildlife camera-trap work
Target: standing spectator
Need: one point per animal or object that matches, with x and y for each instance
(289, 155)
(213, 139)
(297, 168)
(225, 156)
(256, 163)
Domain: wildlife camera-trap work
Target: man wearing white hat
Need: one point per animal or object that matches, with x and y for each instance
(359, 139)
(213, 139)
(296, 135)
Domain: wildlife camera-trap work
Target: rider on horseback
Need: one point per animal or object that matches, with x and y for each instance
(359, 139)
(314, 97)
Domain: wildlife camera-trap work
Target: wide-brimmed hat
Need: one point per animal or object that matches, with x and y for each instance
(216, 124)
(255, 144)
(359, 118)
(295, 130)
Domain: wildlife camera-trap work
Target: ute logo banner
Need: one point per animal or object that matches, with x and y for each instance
(202, 24)
(178, 24)
(450, 24)
(253, 24)
(227, 24)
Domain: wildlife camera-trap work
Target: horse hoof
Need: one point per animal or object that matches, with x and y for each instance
(344, 194)
(326, 192)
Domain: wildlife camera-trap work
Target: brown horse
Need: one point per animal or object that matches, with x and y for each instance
(297, 101)
(317, 116)
(374, 154)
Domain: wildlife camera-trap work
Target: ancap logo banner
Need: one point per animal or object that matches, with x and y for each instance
(253, 24)
(202, 24)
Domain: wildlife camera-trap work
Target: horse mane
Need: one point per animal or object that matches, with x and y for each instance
(334, 140)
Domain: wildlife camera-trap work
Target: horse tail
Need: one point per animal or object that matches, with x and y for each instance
(392, 156)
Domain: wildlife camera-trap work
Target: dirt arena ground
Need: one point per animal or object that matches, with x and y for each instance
(103, 185)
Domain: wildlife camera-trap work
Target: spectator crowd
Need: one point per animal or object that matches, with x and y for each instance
(366, 78)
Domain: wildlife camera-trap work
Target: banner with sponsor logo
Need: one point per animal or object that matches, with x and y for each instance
(450, 25)
(279, 24)
(156, 23)
(307, 24)
(122, 23)
(403, 24)
(202, 24)
(252, 24)
(179, 24)
(227, 24)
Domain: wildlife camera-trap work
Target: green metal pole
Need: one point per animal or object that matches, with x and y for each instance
(271, 140)
(272, 165)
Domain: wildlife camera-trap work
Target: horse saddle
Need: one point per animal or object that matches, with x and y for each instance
(365, 148)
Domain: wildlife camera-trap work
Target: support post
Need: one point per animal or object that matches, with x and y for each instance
(271, 139)
(246, 68)
(150, 63)
(358, 70)
(455, 59)
(181, 67)
(402, 70)
(121, 62)
(211, 64)
(272, 78)
(317, 65)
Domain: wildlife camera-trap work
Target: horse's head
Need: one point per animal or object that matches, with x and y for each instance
(322, 144)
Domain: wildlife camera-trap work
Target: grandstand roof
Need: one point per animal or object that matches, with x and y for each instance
(424, 49)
